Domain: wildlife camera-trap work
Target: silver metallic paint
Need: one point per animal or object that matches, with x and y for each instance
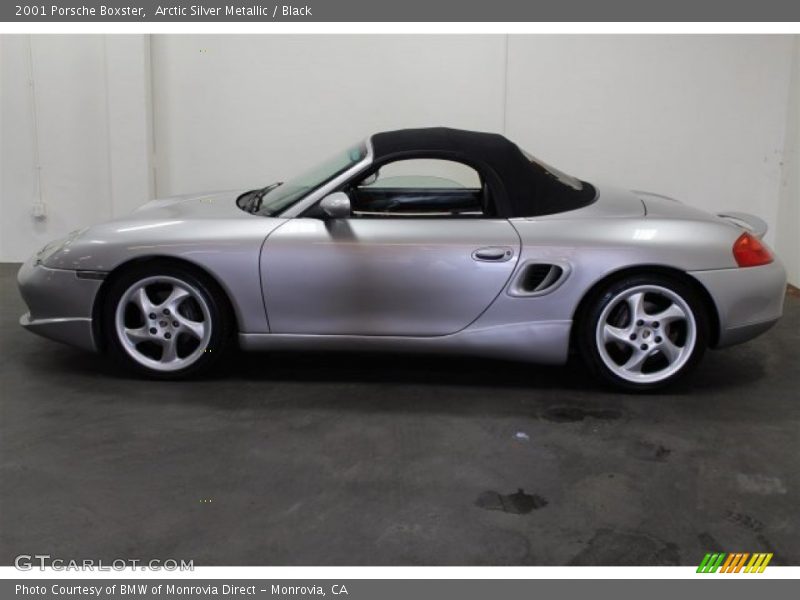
(749, 301)
(336, 205)
(209, 231)
(59, 304)
(343, 284)
(535, 342)
(395, 277)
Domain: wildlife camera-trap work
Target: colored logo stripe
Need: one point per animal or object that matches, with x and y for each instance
(760, 562)
(734, 562)
(711, 563)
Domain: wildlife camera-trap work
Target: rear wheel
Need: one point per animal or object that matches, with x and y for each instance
(166, 322)
(644, 332)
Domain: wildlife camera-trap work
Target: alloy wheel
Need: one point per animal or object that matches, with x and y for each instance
(646, 333)
(163, 323)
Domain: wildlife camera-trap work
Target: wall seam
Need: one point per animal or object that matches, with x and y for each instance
(505, 87)
(110, 161)
(37, 159)
(151, 100)
(786, 243)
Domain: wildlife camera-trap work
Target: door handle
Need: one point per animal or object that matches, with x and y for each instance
(493, 254)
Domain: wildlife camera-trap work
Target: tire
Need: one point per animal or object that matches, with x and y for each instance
(193, 329)
(643, 332)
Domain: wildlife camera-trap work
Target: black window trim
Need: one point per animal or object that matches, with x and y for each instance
(487, 176)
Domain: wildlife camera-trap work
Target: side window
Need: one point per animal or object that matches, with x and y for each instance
(420, 188)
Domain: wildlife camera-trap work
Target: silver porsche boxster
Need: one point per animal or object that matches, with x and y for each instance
(420, 240)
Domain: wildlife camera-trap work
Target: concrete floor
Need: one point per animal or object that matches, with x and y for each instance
(381, 460)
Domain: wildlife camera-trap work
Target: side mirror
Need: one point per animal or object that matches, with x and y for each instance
(336, 205)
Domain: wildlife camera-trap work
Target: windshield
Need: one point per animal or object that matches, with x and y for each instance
(568, 180)
(281, 196)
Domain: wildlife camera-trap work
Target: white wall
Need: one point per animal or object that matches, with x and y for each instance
(239, 111)
(130, 121)
(70, 103)
(708, 119)
(788, 227)
(88, 110)
(700, 118)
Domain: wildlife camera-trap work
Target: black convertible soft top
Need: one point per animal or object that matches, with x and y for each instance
(520, 187)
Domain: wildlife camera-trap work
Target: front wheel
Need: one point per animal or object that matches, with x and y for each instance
(644, 332)
(166, 322)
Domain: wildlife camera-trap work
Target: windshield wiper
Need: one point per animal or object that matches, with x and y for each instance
(254, 204)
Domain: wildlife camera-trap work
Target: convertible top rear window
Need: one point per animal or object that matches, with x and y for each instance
(568, 180)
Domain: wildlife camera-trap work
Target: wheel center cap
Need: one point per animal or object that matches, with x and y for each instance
(646, 333)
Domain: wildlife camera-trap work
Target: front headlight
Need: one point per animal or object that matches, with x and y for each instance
(57, 245)
(48, 250)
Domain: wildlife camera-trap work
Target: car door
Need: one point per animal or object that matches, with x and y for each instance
(419, 256)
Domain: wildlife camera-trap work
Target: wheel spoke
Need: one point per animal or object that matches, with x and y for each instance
(142, 301)
(636, 361)
(138, 335)
(170, 350)
(617, 334)
(672, 313)
(173, 301)
(196, 329)
(670, 351)
(636, 307)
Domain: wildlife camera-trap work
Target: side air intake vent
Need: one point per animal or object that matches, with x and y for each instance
(537, 278)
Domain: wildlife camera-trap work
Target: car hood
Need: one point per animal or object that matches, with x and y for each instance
(185, 226)
(211, 205)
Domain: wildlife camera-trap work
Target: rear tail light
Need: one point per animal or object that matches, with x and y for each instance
(750, 252)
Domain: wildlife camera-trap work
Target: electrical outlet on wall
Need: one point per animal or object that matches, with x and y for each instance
(39, 211)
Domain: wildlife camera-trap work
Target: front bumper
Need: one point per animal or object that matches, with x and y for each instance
(749, 300)
(59, 304)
